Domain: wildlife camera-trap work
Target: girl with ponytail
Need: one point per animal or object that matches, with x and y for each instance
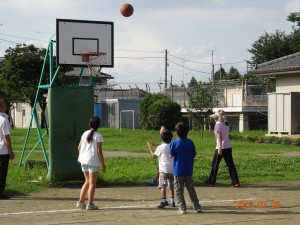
(91, 159)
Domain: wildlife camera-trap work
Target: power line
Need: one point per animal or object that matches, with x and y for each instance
(21, 37)
(231, 63)
(19, 28)
(189, 68)
(10, 41)
(146, 57)
(130, 50)
(227, 63)
(187, 60)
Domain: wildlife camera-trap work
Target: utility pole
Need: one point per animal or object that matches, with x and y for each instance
(220, 74)
(212, 68)
(171, 84)
(183, 71)
(166, 69)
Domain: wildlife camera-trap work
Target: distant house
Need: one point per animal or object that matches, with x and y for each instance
(245, 104)
(284, 104)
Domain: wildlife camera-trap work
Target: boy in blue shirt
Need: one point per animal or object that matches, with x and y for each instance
(183, 150)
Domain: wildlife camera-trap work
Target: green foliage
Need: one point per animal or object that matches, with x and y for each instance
(233, 74)
(20, 73)
(220, 74)
(294, 17)
(270, 46)
(193, 82)
(158, 109)
(164, 112)
(201, 102)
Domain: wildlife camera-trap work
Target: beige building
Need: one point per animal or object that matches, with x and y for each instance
(284, 104)
(245, 104)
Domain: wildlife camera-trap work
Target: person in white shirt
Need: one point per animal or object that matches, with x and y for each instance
(166, 176)
(6, 152)
(91, 159)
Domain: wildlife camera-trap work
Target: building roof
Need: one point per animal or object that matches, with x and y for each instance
(76, 72)
(286, 64)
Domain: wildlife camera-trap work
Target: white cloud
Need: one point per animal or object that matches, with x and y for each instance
(292, 6)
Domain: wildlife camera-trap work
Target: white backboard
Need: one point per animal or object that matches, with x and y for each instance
(76, 36)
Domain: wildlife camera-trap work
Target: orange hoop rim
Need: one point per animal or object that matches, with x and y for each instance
(85, 56)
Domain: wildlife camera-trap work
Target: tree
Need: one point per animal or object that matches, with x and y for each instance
(158, 109)
(20, 73)
(220, 74)
(294, 17)
(295, 36)
(233, 74)
(201, 102)
(270, 46)
(192, 82)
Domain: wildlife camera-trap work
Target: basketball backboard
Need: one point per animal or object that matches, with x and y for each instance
(76, 36)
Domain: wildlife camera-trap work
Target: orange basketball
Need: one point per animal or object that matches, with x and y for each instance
(126, 10)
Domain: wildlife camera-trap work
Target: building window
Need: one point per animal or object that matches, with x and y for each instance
(236, 100)
(19, 107)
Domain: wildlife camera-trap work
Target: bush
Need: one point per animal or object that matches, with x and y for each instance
(158, 109)
(296, 141)
(249, 138)
(285, 140)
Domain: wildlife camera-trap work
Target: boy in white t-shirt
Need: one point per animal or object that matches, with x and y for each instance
(165, 168)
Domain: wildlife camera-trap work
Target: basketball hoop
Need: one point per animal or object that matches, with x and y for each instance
(93, 60)
(91, 56)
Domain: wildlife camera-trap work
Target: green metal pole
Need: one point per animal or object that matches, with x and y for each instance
(80, 76)
(25, 142)
(55, 75)
(32, 150)
(51, 59)
(33, 108)
(41, 137)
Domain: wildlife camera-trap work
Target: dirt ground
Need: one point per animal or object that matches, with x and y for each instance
(269, 203)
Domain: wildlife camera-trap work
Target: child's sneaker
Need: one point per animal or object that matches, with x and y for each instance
(162, 204)
(80, 205)
(91, 207)
(172, 204)
(152, 182)
(182, 211)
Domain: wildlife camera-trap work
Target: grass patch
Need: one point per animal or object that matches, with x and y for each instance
(255, 162)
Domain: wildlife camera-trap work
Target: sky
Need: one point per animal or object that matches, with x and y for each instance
(195, 33)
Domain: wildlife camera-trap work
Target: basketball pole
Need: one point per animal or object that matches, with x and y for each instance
(48, 56)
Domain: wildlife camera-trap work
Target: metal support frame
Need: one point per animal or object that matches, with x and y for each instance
(34, 118)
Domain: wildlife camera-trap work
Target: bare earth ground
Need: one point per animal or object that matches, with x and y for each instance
(137, 205)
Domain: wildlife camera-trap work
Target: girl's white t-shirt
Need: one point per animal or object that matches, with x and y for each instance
(88, 151)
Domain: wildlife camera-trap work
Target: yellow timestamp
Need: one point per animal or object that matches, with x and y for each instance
(249, 204)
